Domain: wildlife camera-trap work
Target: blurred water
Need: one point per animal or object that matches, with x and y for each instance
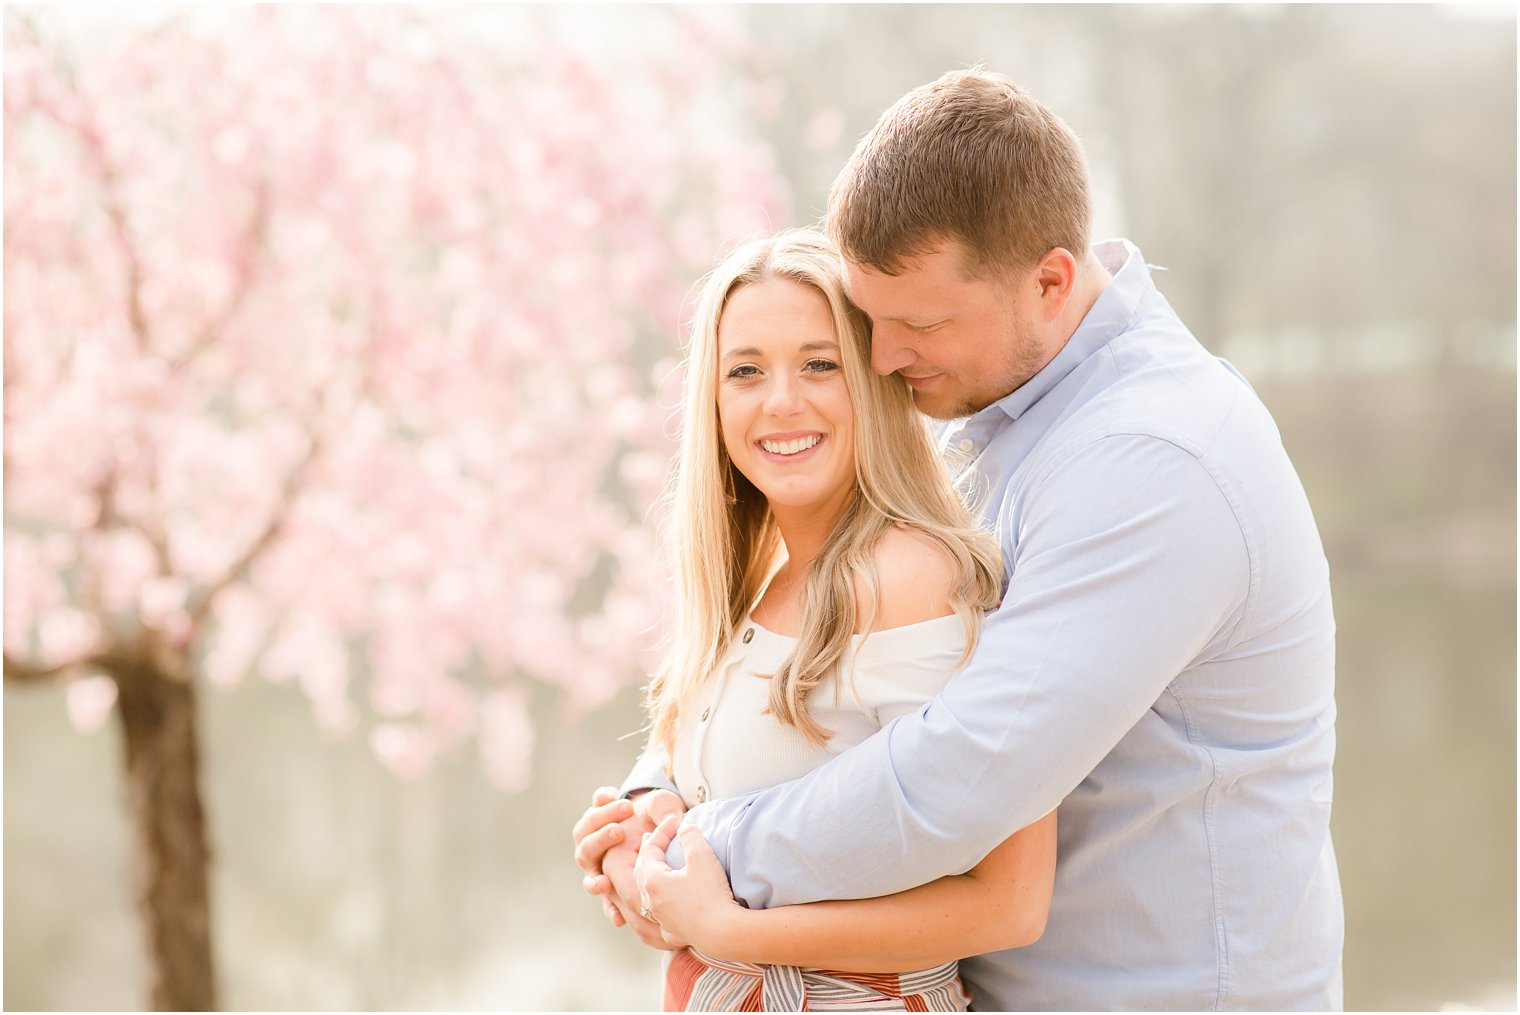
(336, 886)
(1412, 475)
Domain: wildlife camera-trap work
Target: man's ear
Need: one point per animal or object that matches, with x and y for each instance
(1055, 280)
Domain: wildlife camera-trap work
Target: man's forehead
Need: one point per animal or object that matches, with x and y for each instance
(919, 283)
(870, 277)
(936, 255)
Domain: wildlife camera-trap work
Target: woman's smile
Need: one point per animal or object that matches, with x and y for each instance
(790, 447)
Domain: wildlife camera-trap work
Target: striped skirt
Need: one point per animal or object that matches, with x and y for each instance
(695, 981)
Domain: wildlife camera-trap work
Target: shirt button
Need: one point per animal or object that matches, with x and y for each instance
(967, 446)
(749, 635)
(701, 794)
(705, 713)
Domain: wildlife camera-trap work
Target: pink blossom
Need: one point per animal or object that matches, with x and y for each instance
(405, 750)
(339, 349)
(824, 129)
(506, 739)
(89, 701)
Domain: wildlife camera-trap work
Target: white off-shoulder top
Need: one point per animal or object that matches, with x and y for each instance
(727, 746)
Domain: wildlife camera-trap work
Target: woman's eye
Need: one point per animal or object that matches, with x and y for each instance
(821, 366)
(743, 371)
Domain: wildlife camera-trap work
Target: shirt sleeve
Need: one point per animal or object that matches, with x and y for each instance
(1130, 563)
(648, 772)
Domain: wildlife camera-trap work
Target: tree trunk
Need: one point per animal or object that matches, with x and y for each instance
(156, 701)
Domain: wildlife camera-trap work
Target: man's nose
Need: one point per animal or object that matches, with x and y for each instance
(890, 351)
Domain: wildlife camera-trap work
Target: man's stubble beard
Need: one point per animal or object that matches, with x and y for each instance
(1028, 358)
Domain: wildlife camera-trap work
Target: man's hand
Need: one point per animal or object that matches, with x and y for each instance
(606, 845)
(597, 831)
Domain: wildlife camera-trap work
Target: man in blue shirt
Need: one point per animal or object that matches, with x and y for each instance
(1162, 665)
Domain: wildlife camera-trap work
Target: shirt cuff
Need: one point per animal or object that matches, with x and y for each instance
(715, 820)
(648, 773)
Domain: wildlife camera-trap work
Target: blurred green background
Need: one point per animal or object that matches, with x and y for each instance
(1332, 192)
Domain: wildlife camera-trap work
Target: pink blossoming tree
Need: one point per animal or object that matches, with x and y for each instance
(337, 351)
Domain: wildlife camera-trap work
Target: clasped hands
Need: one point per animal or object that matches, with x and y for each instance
(621, 845)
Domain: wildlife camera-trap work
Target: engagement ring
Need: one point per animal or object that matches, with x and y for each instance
(644, 912)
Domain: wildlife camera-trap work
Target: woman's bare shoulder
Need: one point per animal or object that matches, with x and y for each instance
(915, 575)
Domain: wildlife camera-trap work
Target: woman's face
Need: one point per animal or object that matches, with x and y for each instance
(783, 406)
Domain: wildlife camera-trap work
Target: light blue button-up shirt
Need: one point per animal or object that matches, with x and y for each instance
(1161, 667)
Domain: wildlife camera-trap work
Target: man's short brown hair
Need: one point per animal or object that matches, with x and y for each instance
(970, 157)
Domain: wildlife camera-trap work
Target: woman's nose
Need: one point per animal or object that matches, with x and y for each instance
(784, 396)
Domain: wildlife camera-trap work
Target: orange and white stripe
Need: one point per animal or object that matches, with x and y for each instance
(695, 981)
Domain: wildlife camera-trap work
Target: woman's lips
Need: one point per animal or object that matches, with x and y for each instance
(789, 447)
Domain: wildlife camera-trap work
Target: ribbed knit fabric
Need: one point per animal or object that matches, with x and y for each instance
(728, 746)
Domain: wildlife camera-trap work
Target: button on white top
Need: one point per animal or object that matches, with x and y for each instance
(967, 445)
(730, 744)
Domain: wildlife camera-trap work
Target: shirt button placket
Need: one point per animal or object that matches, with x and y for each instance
(717, 696)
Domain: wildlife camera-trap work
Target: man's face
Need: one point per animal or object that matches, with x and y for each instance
(960, 344)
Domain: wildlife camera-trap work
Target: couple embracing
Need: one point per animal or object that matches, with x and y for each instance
(1025, 706)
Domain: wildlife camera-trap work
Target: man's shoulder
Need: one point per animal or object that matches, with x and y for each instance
(1160, 385)
(1181, 429)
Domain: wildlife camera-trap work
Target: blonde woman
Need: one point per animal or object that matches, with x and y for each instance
(829, 580)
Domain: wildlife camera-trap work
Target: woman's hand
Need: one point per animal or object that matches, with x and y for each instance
(692, 906)
(659, 804)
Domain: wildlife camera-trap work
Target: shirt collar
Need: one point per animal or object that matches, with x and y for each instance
(1110, 315)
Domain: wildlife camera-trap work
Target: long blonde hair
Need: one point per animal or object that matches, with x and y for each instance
(724, 539)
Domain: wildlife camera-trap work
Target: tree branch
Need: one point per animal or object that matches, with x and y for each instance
(238, 570)
(253, 239)
(289, 491)
(19, 672)
(85, 126)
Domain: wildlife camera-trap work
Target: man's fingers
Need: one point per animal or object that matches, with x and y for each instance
(599, 816)
(590, 850)
(595, 833)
